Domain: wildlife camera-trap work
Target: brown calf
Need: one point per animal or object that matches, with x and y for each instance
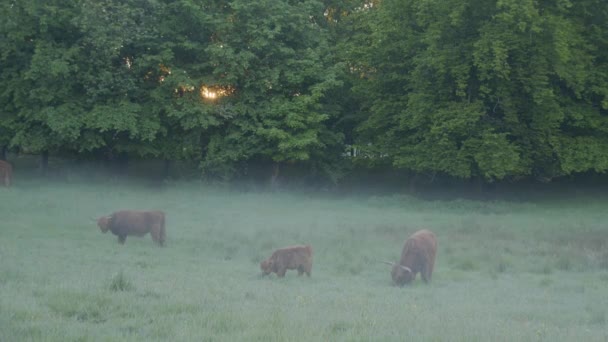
(289, 258)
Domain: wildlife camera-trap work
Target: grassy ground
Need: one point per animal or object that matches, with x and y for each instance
(505, 271)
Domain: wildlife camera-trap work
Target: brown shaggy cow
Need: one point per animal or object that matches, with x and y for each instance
(289, 258)
(136, 223)
(6, 173)
(418, 256)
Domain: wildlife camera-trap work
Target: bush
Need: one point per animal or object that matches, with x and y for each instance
(120, 283)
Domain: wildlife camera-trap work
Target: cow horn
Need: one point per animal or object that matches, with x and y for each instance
(406, 269)
(387, 262)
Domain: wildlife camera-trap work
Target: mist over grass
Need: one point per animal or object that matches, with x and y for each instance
(507, 271)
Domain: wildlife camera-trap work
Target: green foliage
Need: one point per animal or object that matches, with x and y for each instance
(487, 90)
(470, 89)
(276, 62)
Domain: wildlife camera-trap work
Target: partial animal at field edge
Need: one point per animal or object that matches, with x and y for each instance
(6, 173)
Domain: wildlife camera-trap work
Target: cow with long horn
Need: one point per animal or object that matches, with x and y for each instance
(417, 256)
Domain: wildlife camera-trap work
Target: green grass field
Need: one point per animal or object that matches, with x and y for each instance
(504, 272)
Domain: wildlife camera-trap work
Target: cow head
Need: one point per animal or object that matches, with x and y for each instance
(266, 266)
(401, 274)
(104, 223)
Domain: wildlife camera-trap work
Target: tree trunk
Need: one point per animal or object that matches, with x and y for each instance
(477, 187)
(122, 163)
(204, 140)
(44, 162)
(412, 185)
(166, 168)
(274, 179)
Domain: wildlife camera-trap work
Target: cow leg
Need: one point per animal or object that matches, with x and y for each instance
(281, 272)
(429, 273)
(431, 265)
(156, 234)
(122, 239)
(162, 235)
(428, 268)
(424, 273)
(300, 270)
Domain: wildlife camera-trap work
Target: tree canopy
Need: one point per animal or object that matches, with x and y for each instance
(468, 89)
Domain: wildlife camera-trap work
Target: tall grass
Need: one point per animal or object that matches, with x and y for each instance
(505, 271)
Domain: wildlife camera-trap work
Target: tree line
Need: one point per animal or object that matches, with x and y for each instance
(491, 90)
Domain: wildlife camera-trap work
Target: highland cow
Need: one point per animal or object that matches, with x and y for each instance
(289, 258)
(136, 223)
(418, 256)
(6, 173)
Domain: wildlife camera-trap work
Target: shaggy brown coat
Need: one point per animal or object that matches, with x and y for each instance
(136, 223)
(418, 256)
(6, 173)
(289, 258)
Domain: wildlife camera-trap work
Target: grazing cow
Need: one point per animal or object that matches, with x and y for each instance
(6, 173)
(136, 223)
(418, 256)
(289, 258)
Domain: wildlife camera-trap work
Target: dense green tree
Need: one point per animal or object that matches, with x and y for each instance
(225, 82)
(121, 67)
(72, 83)
(486, 89)
(273, 58)
(36, 75)
(470, 89)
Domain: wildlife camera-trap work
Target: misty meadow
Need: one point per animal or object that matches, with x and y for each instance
(518, 271)
(158, 156)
